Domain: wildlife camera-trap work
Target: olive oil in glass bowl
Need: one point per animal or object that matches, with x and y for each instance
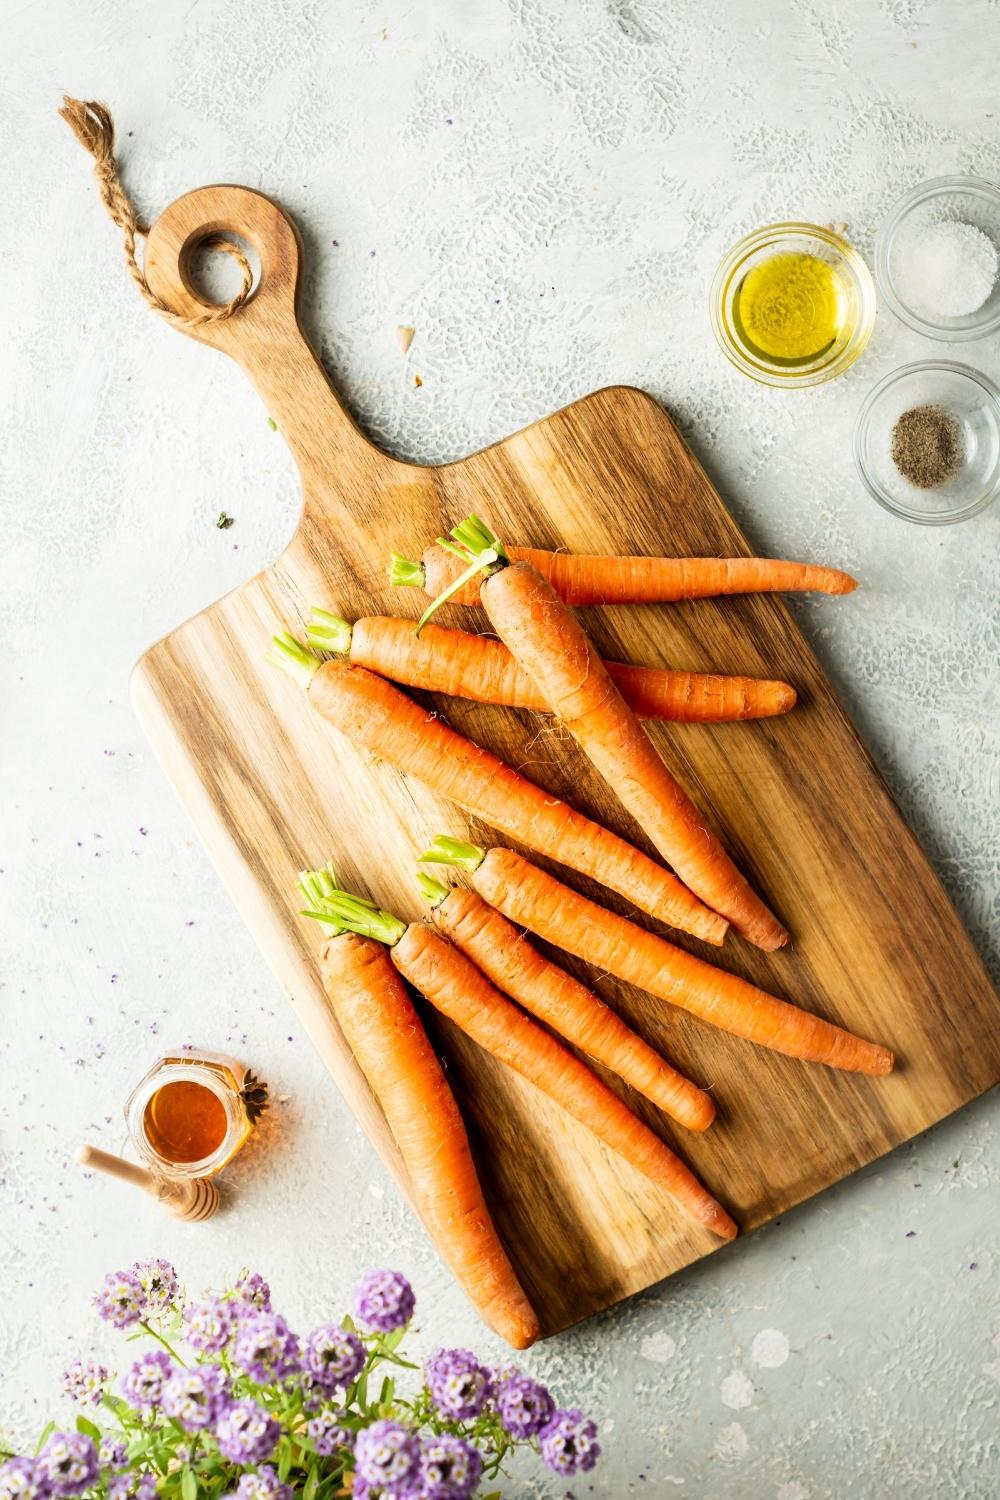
(793, 305)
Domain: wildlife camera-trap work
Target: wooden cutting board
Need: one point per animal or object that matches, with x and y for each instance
(271, 788)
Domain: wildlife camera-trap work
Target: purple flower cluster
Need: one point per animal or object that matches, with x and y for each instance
(384, 1301)
(195, 1398)
(132, 1487)
(333, 1356)
(568, 1442)
(449, 1468)
(246, 1434)
(22, 1479)
(327, 1432)
(121, 1300)
(159, 1283)
(459, 1384)
(266, 1348)
(252, 1289)
(524, 1406)
(386, 1457)
(143, 1385)
(85, 1382)
(112, 1454)
(264, 1485)
(68, 1463)
(208, 1325)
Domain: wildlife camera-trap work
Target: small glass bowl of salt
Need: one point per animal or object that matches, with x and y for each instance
(937, 258)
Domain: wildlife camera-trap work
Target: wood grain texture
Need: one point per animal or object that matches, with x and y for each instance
(876, 945)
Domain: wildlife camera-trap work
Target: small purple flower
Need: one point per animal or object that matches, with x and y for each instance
(568, 1442)
(266, 1348)
(195, 1397)
(264, 1485)
(159, 1283)
(252, 1289)
(246, 1434)
(133, 1487)
(208, 1325)
(333, 1356)
(459, 1384)
(121, 1300)
(143, 1385)
(85, 1382)
(450, 1468)
(112, 1454)
(524, 1405)
(384, 1301)
(386, 1456)
(327, 1432)
(22, 1479)
(68, 1463)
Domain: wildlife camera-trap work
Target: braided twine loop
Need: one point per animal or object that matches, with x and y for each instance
(94, 128)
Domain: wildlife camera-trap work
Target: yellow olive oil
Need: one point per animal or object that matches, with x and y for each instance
(790, 308)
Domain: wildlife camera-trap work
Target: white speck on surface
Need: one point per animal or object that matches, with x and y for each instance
(769, 1349)
(732, 1444)
(736, 1391)
(658, 1347)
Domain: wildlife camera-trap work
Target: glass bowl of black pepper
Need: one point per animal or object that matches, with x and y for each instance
(927, 442)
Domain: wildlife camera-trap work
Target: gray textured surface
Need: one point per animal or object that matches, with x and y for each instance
(542, 190)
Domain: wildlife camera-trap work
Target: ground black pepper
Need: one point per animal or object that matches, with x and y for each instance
(926, 446)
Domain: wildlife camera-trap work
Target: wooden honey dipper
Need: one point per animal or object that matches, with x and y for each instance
(190, 1198)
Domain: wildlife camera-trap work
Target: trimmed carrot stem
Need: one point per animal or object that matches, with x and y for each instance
(443, 660)
(535, 900)
(376, 716)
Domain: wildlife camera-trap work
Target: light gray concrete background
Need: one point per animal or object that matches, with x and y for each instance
(541, 188)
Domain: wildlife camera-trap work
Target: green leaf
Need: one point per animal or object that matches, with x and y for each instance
(47, 1432)
(284, 1463)
(311, 1485)
(86, 1426)
(189, 1483)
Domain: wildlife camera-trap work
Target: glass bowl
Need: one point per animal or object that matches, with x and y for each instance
(973, 400)
(968, 199)
(855, 292)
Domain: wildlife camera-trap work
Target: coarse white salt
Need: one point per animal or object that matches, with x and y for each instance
(946, 270)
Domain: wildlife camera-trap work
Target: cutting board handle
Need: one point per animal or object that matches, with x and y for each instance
(264, 336)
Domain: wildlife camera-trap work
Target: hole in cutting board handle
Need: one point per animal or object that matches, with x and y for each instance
(238, 213)
(215, 275)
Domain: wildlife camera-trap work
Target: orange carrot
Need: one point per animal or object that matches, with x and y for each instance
(545, 637)
(505, 956)
(533, 899)
(583, 580)
(454, 986)
(390, 1046)
(376, 716)
(478, 667)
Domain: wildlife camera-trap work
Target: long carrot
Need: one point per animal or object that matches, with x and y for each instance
(391, 1047)
(454, 986)
(509, 961)
(528, 896)
(375, 715)
(440, 660)
(581, 580)
(545, 637)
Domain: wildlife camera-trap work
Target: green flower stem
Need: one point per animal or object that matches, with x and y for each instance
(447, 851)
(329, 632)
(148, 1328)
(432, 890)
(405, 574)
(293, 658)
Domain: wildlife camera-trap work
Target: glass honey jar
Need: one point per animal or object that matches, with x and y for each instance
(192, 1112)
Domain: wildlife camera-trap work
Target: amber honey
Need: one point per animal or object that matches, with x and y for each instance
(193, 1112)
(185, 1122)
